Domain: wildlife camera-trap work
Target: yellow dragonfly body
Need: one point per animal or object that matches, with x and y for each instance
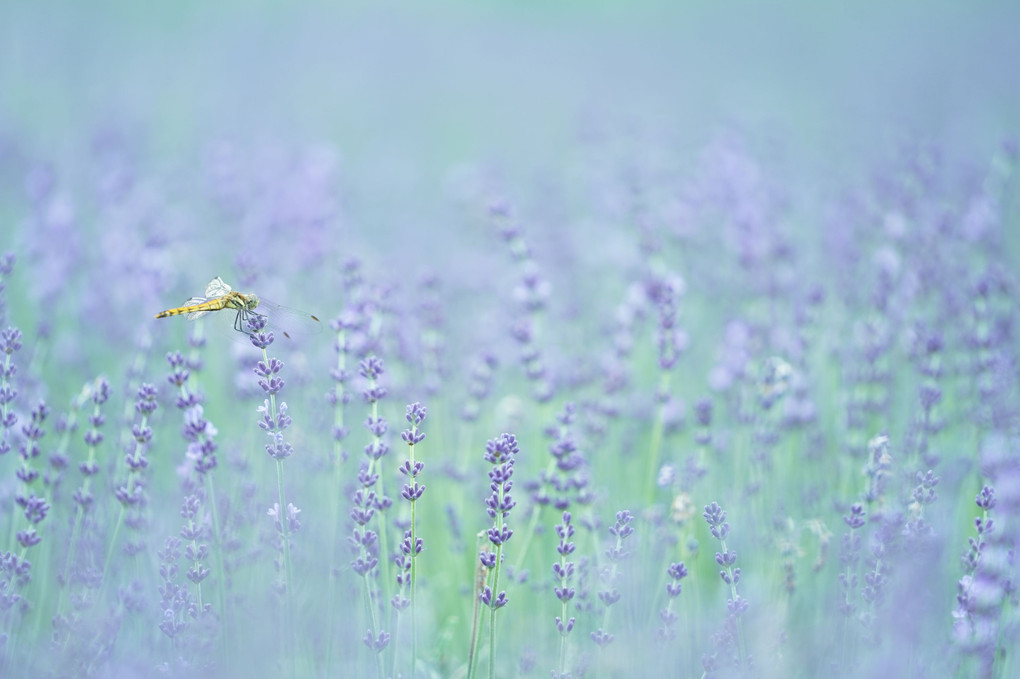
(219, 295)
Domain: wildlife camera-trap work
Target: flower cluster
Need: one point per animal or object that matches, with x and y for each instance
(480, 384)
(668, 618)
(501, 454)
(729, 642)
(411, 545)
(563, 588)
(367, 501)
(93, 437)
(274, 420)
(34, 506)
(339, 396)
(10, 342)
(566, 482)
(982, 589)
(531, 294)
(131, 493)
(609, 575)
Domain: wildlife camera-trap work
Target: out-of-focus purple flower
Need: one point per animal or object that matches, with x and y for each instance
(922, 496)
(293, 524)
(728, 644)
(7, 261)
(482, 369)
(376, 642)
(531, 293)
(663, 291)
(10, 342)
(100, 392)
(567, 481)
(563, 583)
(35, 508)
(615, 554)
(849, 558)
(981, 590)
(877, 468)
(668, 618)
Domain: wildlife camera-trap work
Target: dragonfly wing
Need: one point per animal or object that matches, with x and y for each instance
(192, 315)
(216, 288)
(291, 324)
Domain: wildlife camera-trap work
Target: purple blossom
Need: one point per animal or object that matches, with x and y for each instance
(255, 325)
(728, 642)
(482, 369)
(10, 342)
(501, 454)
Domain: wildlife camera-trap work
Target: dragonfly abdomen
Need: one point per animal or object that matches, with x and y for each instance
(211, 305)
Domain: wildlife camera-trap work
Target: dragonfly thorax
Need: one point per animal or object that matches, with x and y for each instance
(241, 301)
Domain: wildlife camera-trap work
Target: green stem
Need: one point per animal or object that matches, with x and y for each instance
(414, 572)
(384, 562)
(221, 584)
(492, 609)
(655, 445)
(338, 423)
(373, 621)
(282, 517)
(476, 613)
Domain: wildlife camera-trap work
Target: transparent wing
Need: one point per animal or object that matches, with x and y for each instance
(216, 288)
(192, 315)
(289, 325)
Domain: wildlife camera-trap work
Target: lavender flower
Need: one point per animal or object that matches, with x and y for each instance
(411, 545)
(93, 437)
(98, 392)
(176, 606)
(15, 569)
(531, 293)
(849, 559)
(501, 453)
(981, 624)
(482, 369)
(568, 481)
(274, 420)
(338, 397)
(877, 469)
(131, 493)
(922, 496)
(563, 576)
(7, 260)
(730, 641)
(615, 554)
(33, 432)
(10, 342)
(668, 618)
(365, 542)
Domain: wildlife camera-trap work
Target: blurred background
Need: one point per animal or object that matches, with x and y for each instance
(790, 155)
(391, 117)
(405, 92)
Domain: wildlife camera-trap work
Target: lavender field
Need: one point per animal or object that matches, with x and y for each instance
(624, 340)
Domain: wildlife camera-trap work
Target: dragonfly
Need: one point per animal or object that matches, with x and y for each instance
(219, 296)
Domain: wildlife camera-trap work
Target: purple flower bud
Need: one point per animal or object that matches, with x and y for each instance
(10, 340)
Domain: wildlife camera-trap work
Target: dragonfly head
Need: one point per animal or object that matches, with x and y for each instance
(251, 301)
